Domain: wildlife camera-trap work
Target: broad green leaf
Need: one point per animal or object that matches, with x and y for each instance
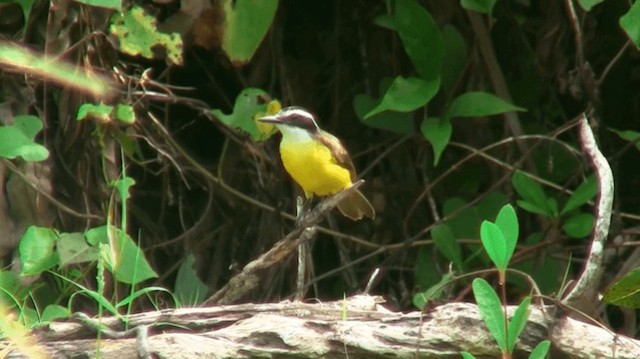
(491, 311)
(73, 248)
(530, 207)
(474, 104)
(420, 37)
(17, 140)
(190, 291)
(518, 322)
(583, 194)
(246, 23)
(507, 221)
(249, 104)
(481, 6)
(54, 311)
(467, 355)
(541, 350)
(405, 95)
(9, 288)
(125, 114)
(494, 243)
(138, 35)
(630, 24)
(398, 122)
(532, 193)
(628, 135)
(128, 264)
(626, 291)
(455, 57)
(588, 4)
(438, 132)
(446, 243)
(578, 226)
(37, 250)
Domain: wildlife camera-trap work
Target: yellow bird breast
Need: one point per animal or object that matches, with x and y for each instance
(313, 167)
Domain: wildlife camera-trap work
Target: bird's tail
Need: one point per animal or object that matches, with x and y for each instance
(356, 206)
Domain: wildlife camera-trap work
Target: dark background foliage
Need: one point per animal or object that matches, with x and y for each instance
(207, 190)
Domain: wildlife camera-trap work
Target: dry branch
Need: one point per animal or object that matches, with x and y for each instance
(357, 328)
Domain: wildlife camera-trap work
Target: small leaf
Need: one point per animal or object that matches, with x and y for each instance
(541, 350)
(474, 104)
(518, 322)
(578, 226)
(447, 244)
(100, 112)
(398, 122)
(421, 38)
(17, 140)
(530, 207)
(37, 250)
(405, 95)
(54, 311)
(249, 103)
(138, 35)
(481, 6)
(628, 135)
(434, 292)
(531, 192)
(507, 221)
(125, 114)
(467, 355)
(107, 4)
(626, 291)
(495, 244)
(630, 24)
(190, 291)
(438, 132)
(491, 310)
(583, 194)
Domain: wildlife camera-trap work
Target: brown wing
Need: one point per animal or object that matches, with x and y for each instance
(339, 152)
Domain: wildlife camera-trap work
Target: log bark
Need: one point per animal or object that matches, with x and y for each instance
(359, 327)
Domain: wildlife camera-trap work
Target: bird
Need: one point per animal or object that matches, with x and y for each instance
(317, 160)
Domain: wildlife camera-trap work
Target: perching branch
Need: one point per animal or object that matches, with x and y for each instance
(588, 281)
(249, 278)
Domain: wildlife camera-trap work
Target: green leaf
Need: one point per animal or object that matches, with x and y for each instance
(481, 6)
(249, 102)
(129, 264)
(467, 355)
(494, 243)
(122, 186)
(491, 311)
(588, 4)
(73, 248)
(583, 194)
(438, 132)
(421, 38)
(541, 350)
(37, 250)
(246, 23)
(125, 114)
(532, 193)
(507, 221)
(474, 104)
(386, 21)
(17, 140)
(434, 292)
(446, 243)
(626, 291)
(630, 23)
(628, 135)
(138, 35)
(190, 291)
(455, 57)
(398, 122)
(54, 311)
(100, 112)
(578, 226)
(517, 323)
(405, 95)
(426, 272)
